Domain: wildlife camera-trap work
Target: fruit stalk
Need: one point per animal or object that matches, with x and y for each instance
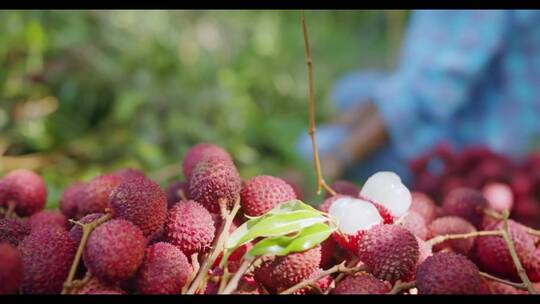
(233, 283)
(513, 284)
(196, 267)
(309, 61)
(442, 238)
(87, 229)
(400, 286)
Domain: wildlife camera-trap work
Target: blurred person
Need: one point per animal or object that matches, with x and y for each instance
(463, 77)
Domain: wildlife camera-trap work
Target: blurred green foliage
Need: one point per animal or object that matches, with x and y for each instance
(84, 92)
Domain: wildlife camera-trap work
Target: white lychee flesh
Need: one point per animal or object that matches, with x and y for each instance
(386, 188)
(354, 214)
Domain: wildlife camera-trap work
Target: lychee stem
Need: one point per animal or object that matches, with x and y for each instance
(10, 209)
(498, 216)
(337, 268)
(510, 243)
(400, 286)
(196, 267)
(442, 238)
(87, 229)
(513, 284)
(233, 283)
(218, 246)
(309, 61)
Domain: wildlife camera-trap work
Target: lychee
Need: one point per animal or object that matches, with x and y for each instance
(47, 217)
(325, 205)
(127, 173)
(76, 232)
(467, 203)
(70, 199)
(390, 252)
(190, 227)
(10, 269)
(142, 202)
(416, 224)
(199, 152)
(295, 267)
(262, 193)
(495, 287)
(423, 205)
(452, 225)
(47, 255)
(386, 189)
(212, 180)
(499, 196)
(494, 256)
(165, 270)
(25, 189)
(296, 187)
(448, 273)
(173, 192)
(114, 251)
(95, 287)
(361, 283)
(13, 230)
(344, 187)
(533, 266)
(96, 194)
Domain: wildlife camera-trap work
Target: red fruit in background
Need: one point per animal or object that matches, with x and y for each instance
(420, 163)
(297, 189)
(127, 173)
(10, 269)
(94, 286)
(533, 266)
(451, 183)
(264, 192)
(13, 230)
(527, 211)
(499, 196)
(423, 205)
(361, 283)
(97, 192)
(175, 191)
(70, 199)
(25, 189)
(416, 224)
(344, 187)
(452, 225)
(466, 203)
(521, 184)
(199, 152)
(46, 218)
(427, 183)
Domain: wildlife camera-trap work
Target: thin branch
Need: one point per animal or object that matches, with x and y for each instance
(533, 231)
(337, 268)
(442, 238)
(233, 283)
(87, 229)
(217, 248)
(513, 284)
(10, 209)
(309, 61)
(510, 243)
(196, 267)
(350, 264)
(400, 286)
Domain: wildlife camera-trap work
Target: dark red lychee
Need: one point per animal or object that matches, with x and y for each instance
(199, 152)
(466, 203)
(96, 194)
(390, 252)
(533, 266)
(25, 189)
(344, 187)
(190, 227)
(361, 283)
(76, 232)
(13, 230)
(10, 269)
(142, 202)
(176, 191)
(70, 199)
(262, 193)
(47, 255)
(452, 225)
(423, 205)
(46, 218)
(448, 273)
(165, 270)
(213, 180)
(128, 173)
(114, 251)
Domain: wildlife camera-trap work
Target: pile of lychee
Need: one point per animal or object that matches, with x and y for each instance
(147, 240)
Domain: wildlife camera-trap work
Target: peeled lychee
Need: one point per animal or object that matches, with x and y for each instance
(493, 254)
(142, 202)
(423, 205)
(390, 252)
(452, 225)
(499, 196)
(262, 193)
(10, 269)
(214, 179)
(386, 188)
(114, 251)
(448, 273)
(361, 283)
(173, 192)
(344, 187)
(47, 255)
(189, 226)
(96, 194)
(416, 224)
(47, 217)
(13, 230)
(25, 189)
(70, 199)
(165, 270)
(199, 152)
(467, 203)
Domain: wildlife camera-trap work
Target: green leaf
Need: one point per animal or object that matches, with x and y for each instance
(283, 245)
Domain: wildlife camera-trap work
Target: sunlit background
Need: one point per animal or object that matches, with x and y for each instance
(85, 92)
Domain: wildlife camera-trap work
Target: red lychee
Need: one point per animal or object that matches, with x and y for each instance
(176, 191)
(76, 232)
(452, 225)
(416, 224)
(25, 189)
(96, 194)
(47, 217)
(10, 269)
(262, 193)
(13, 230)
(423, 205)
(466, 203)
(293, 268)
(199, 152)
(361, 283)
(70, 199)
